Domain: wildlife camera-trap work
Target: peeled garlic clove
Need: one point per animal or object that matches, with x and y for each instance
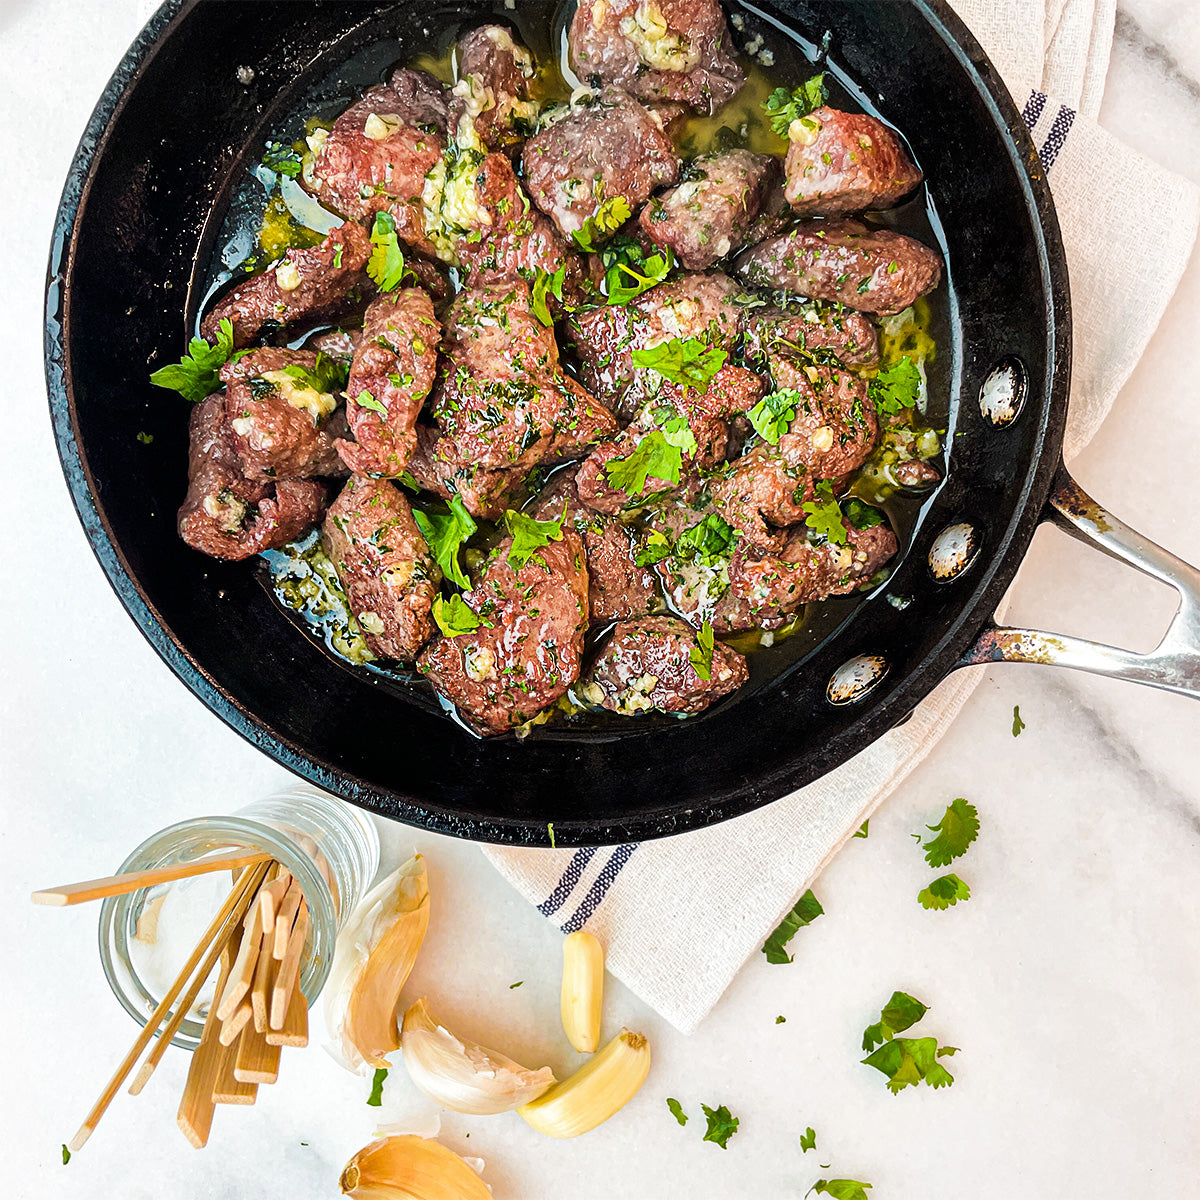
(600, 1088)
(582, 990)
(410, 1168)
(463, 1076)
(372, 960)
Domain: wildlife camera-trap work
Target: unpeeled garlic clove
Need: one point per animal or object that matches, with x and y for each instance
(462, 1076)
(410, 1168)
(372, 960)
(582, 990)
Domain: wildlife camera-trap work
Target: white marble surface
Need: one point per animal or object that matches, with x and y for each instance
(1070, 980)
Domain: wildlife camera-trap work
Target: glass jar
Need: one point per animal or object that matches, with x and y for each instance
(297, 826)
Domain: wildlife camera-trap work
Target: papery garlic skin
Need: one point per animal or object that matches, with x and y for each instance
(410, 1168)
(462, 1076)
(372, 960)
(582, 990)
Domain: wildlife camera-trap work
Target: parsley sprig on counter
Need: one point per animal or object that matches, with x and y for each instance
(197, 374)
(807, 910)
(957, 829)
(689, 362)
(840, 1189)
(677, 1110)
(446, 533)
(375, 1099)
(722, 1125)
(944, 892)
(783, 107)
(905, 1061)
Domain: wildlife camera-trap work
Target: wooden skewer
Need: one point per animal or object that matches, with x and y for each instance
(260, 991)
(241, 895)
(242, 974)
(285, 917)
(295, 1024)
(234, 1026)
(257, 1061)
(119, 885)
(197, 1105)
(289, 969)
(270, 896)
(227, 1088)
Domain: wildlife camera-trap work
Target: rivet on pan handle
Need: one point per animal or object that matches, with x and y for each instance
(1173, 665)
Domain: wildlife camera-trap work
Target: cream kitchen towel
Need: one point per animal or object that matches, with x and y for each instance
(662, 908)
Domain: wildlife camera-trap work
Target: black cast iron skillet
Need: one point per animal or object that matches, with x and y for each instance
(149, 184)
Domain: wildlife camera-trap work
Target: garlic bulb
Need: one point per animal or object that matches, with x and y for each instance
(410, 1168)
(372, 960)
(461, 1076)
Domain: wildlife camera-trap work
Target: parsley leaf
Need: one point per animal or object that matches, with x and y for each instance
(386, 265)
(655, 548)
(1018, 724)
(454, 617)
(707, 541)
(282, 159)
(722, 1125)
(677, 1110)
(628, 272)
(326, 375)
(772, 415)
(906, 1061)
(654, 457)
(685, 361)
(529, 536)
(364, 399)
(550, 831)
(679, 433)
(445, 533)
(780, 1020)
(66, 1154)
(862, 515)
(957, 829)
(375, 1099)
(515, 985)
(865, 829)
(896, 388)
(195, 376)
(945, 892)
(901, 1012)
(825, 515)
(840, 1189)
(808, 909)
(784, 107)
(808, 1140)
(545, 284)
(608, 218)
(701, 654)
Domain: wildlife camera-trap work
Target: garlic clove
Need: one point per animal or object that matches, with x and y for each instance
(462, 1076)
(410, 1168)
(372, 960)
(582, 990)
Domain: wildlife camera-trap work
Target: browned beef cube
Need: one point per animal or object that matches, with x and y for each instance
(618, 588)
(840, 162)
(393, 371)
(337, 344)
(309, 286)
(379, 150)
(657, 49)
(526, 651)
(437, 468)
(650, 665)
(492, 93)
(810, 327)
(607, 148)
(385, 568)
(504, 401)
(280, 421)
(706, 216)
(692, 306)
(871, 270)
(229, 516)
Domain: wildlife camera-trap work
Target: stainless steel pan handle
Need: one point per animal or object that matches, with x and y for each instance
(1173, 665)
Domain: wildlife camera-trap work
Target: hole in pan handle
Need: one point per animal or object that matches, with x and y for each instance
(1174, 664)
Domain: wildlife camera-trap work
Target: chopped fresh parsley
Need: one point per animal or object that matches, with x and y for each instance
(688, 362)
(907, 1061)
(629, 272)
(386, 265)
(445, 533)
(862, 515)
(701, 654)
(896, 388)
(655, 548)
(945, 892)
(808, 909)
(677, 1110)
(546, 284)
(864, 829)
(1018, 724)
(824, 515)
(707, 541)
(653, 458)
(840, 1189)
(901, 1012)
(326, 375)
(780, 1020)
(722, 1125)
(282, 159)
(772, 415)
(608, 218)
(196, 375)
(364, 399)
(375, 1099)
(784, 107)
(808, 1140)
(957, 829)
(454, 617)
(679, 433)
(145, 438)
(515, 985)
(550, 831)
(66, 1154)
(529, 536)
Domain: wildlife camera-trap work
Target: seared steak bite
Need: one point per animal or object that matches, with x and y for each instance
(384, 565)
(527, 647)
(692, 306)
(840, 162)
(606, 149)
(337, 344)
(379, 150)
(307, 286)
(393, 371)
(657, 49)
(618, 588)
(279, 408)
(809, 327)
(503, 400)
(871, 270)
(437, 467)
(651, 664)
(492, 92)
(226, 515)
(706, 216)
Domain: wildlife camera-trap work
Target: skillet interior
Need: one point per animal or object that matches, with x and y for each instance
(142, 207)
